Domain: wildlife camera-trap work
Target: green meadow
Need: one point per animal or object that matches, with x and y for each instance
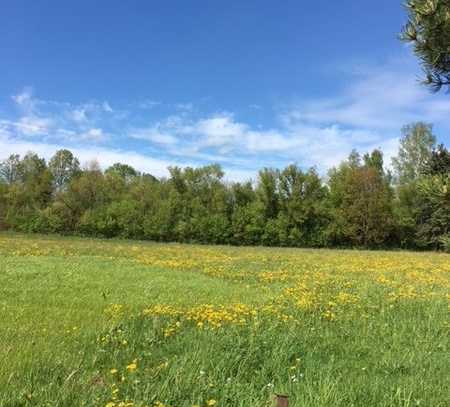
(114, 323)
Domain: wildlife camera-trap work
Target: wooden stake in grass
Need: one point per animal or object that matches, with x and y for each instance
(282, 401)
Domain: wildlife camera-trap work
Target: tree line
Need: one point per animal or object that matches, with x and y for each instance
(357, 204)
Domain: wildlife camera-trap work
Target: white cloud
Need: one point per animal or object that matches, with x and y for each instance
(378, 98)
(5, 131)
(27, 126)
(93, 135)
(106, 157)
(87, 112)
(24, 99)
(107, 107)
(368, 113)
(184, 106)
(78, 115)
(221, 138)
(153, 134)
(34, 126)
(220, 130)
(148, 104)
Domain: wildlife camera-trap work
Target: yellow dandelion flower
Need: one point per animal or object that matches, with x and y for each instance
(132, 366)
(211, 402)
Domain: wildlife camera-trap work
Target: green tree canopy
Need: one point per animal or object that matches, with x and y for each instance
(124, 171)
(358, 205)
(10, 169)
(416, 145)
(439, 162)
(64, 167)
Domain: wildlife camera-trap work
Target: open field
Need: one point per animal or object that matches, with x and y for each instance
(116, 323)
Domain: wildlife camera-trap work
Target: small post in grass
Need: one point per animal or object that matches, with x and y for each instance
(282, 400)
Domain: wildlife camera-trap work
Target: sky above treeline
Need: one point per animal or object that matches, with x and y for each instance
(246, 84)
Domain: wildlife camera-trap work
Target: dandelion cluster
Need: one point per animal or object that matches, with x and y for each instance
(215, 324)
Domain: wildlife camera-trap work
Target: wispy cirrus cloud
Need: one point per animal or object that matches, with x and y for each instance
(24, 99)
(378, 98)
(154, 134)
(148, 104)
(34, 125)
(55, 120)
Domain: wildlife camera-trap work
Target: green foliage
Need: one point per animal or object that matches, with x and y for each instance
(428, 30)
(416, 146)
(359, 205)
(267, 192)
(9, 169)
(362, 201)
(445, 241)
(434, 206)
(422, 203)
(406, 212)
(124, 171)
(439, 162)
(63, 167)
(3, 204)
(247, 224)
(304, 215)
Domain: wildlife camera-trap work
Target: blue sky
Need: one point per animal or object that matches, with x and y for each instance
(246, 84)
